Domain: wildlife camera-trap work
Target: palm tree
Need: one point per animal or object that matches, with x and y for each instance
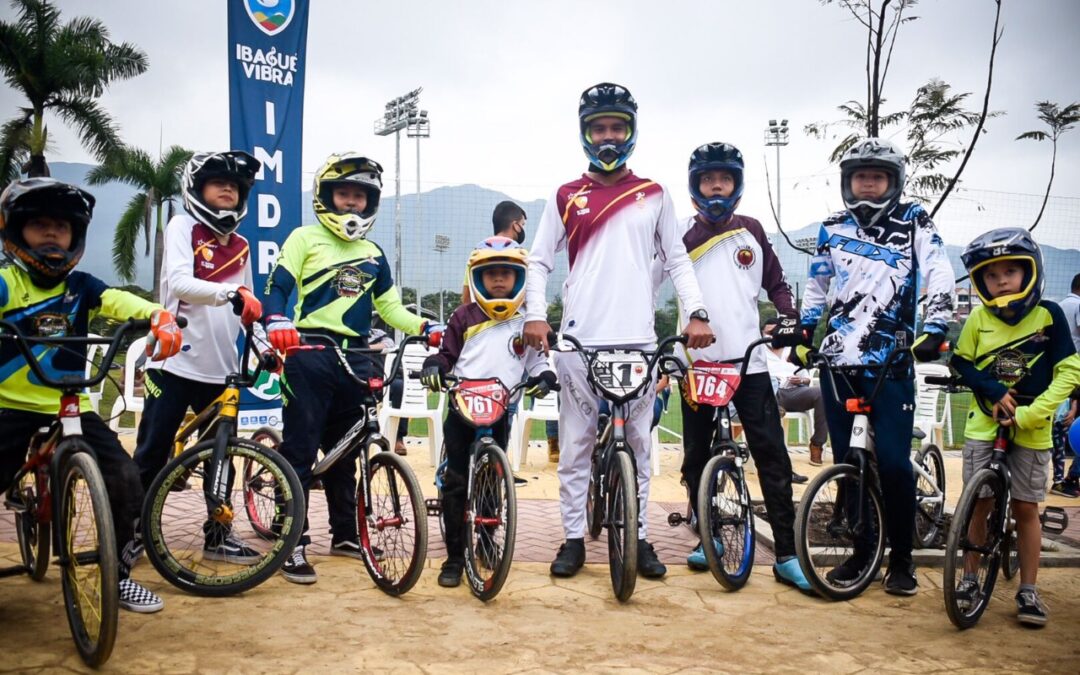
(1059, 120)
(158, 184)
(63, 69)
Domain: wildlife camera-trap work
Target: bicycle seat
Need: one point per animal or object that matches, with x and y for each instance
(918, 434)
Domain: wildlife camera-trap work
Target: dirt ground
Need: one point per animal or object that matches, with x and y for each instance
(685, 622)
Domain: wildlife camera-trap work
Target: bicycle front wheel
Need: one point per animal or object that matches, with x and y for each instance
(973, 548)
(260, 488)
(490, 523)
(726, 519)
(929, 497)
(88, 555)
(395, 523)
(594, 507)
(209, 551)
(33, 534)
(621, 518)
(829, 532)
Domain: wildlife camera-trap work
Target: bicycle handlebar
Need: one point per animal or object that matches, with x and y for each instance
(658, 356)
(65, 382)
(328, 342)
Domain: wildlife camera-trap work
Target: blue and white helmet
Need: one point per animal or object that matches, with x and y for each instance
(713, 157)
(872, 153)
(607, 100)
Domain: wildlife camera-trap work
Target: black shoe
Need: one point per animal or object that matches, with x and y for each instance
(900, 579)
(518, 480)
(648, 565)
(847, 572)
(570, 559)
(450, 574)
(297, 569)
(1030, 608)
(798, 478)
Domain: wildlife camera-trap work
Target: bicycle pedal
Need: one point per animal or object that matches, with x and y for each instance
(1054, 520)
(433, 506)
(676, 519)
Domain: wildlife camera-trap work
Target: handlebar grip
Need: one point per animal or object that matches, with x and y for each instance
(945, 346)
(552, 337)
(941, 380)
(181, 321)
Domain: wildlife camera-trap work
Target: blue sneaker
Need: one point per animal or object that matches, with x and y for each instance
(790, 572)
(696, 560)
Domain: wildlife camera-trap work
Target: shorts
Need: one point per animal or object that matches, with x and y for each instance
(1029, 469)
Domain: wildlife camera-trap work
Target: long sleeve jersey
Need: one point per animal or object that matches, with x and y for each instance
(611, 234)
(477, 347)
(337, 284)
(733, 262)
(876, 272)
(65, 310)
(198, 273)
(1043, 341)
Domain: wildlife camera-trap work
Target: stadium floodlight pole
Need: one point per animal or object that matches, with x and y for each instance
(395, 117)
(442, 245)
(777, 135)
(419, 127)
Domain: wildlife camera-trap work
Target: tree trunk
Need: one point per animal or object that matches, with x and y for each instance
(37, 167)
(159, 251)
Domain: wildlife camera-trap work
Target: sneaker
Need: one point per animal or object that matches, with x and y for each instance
(900, 579)
(518, 480)
(450, 574)
(696, 560)
(351, 549)
(847, 572)
(967, 594)
(790, 573)
(798, 478)
(297, 569)
(400, 449)
(648, 565)
(134, 597)
(815, 454)
(1030, 608)
(231, 549)
(570, 558)
(1066, 489)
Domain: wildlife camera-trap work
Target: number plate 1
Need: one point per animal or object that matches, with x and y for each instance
(712, 383)
(620, 372)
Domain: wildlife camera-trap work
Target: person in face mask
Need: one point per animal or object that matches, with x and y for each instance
(507, 220)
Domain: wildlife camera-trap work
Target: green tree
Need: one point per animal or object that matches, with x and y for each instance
(61, 69)
(1059, 120)
(158, 186)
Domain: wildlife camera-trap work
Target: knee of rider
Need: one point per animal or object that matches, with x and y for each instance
(454, 483)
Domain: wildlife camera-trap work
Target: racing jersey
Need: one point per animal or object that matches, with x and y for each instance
(197, 274)
(1042, 341)
(733, 261)
(337, 283)
(54, 312)
(611, 234)
(876, 272)
(477, 347)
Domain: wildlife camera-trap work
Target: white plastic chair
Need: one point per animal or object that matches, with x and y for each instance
(93, 352)
(414, 401)
(806, 425)
(927, 399)
(128, 401)
(544, 409)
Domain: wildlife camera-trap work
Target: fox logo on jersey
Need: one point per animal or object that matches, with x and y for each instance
(865, 249)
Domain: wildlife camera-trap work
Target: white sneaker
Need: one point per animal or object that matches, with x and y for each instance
(135, 597)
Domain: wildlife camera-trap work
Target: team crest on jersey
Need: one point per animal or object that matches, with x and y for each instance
(51, 325)
(744, 257)
(516, 347)
(580, 201)
(207, 254)
(350, 281)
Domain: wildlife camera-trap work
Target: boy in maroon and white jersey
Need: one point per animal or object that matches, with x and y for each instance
(612, 224)
(481, 341)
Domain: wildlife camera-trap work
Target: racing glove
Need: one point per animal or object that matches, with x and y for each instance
(281, 333)
(540, 385)
(790, 333)
(927, 347)
(164, 339)
(246, 306)
(432, 374)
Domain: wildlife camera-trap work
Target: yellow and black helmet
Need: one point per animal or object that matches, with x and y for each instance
(498, 252)
(348, 168)
(1006, 243)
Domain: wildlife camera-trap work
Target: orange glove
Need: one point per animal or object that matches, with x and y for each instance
(282, 333)
(165, 339)
(247, 306)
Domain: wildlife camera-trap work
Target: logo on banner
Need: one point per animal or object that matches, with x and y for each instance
(271, 16)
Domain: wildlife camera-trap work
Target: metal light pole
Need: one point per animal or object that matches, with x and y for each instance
(442, 245)
(777, 135)
(420, 127)
(396, 117)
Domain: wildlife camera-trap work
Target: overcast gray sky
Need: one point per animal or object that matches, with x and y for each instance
(501, 81)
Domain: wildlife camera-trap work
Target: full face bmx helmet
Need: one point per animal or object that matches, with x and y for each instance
(347, 168)
(713, 157)
(1006, 243)
(872, 153)
(495, 252)
(236, 166)
(44, 197)
(607, 100)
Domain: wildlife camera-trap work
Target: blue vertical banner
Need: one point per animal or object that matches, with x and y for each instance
(267, 57)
